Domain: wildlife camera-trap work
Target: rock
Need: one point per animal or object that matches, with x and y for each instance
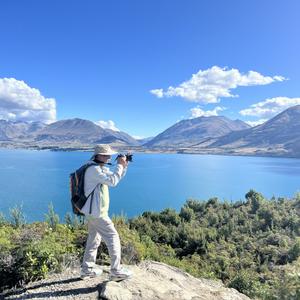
(154, 280)
(151, 280)
(115, 291)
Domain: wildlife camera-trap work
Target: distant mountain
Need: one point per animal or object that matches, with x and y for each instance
(193, 131)
(145, 140)
(35, 127)
(83, 131)
(63, 131)
(281, 132)
(76, 130)
(119, 137)
(10, 130)
(280, 136)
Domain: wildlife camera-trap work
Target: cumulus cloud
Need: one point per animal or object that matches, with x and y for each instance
(20, 102)
(208, 86)
(270, 107)
(107, 125)
(255, 123)
(198, 112)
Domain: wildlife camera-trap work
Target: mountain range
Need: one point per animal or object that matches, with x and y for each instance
(193, 131)
(281, 133)
(70, 131)
(279, 136)
(18, 130)
(82, 131)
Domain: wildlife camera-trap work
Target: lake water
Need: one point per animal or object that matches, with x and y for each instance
(153, 181)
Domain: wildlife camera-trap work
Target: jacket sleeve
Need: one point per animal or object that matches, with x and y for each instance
(109, 178)
(124, 172)
(107, 171)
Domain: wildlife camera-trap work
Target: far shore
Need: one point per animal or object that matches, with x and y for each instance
(257, 152)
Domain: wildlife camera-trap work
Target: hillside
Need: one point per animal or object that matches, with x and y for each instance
(71, 130)
(252, 246)
(18, 130)
(281, 134)
(64, 132)
(193, 131)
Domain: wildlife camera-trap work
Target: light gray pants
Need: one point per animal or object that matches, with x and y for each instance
(102, 228)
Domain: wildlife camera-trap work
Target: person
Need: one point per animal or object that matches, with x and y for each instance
(96, 208)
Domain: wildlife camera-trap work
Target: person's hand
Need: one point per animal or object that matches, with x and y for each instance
(122, 161)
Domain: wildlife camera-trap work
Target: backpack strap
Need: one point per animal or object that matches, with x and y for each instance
(92, 192)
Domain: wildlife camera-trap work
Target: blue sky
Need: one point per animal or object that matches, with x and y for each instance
(140, 66)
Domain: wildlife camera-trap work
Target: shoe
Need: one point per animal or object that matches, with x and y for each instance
(90, 273)
(120, 275)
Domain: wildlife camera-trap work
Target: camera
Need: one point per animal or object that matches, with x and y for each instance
(128, 156)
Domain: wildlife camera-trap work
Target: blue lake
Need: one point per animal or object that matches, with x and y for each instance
(153, 181)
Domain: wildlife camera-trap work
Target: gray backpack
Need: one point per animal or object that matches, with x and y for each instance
(78, 198)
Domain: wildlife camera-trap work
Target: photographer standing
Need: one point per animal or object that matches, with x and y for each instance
(96, 182)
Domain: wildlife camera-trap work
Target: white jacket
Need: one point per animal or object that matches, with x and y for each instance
(94, 177)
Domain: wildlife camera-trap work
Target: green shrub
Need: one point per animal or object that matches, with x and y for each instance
(51, 217)
(17, 216)
(252, 246)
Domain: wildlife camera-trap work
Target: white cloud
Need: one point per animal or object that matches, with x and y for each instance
(107, 125)
(158, 93)
(255, 123)
(138, 137)
(198, 112)
(210, 85)
(20, 102)
(270, 107)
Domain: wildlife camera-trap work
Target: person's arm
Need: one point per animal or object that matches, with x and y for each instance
(124, 171)
(109, 178)
(109, 172)
(112, 178)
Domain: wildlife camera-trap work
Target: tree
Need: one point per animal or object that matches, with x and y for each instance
(255, 200)
(51, 217)
(294, 251)
(3, 220)
(17, 216)
(187, 214)
(169, 216)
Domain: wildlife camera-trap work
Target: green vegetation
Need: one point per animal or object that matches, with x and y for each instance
(252, 246)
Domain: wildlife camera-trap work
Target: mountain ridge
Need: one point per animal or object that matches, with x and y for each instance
(283, 131)
(74, 130)
(191, 131)
(279, 136)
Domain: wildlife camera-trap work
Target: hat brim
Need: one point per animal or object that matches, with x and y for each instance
(107, 153)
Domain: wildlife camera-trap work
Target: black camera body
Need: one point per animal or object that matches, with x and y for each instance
(128, 156)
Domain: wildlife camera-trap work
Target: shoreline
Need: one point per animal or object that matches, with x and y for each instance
(137, 149)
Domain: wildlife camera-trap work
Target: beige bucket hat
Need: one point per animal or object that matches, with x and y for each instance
(103, 149)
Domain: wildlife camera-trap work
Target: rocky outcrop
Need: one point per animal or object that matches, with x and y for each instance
(151, 280)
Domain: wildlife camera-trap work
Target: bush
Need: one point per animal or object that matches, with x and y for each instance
(30, 252)
(252, 246)
(51, 217)
(245, 282)
(17, 216)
